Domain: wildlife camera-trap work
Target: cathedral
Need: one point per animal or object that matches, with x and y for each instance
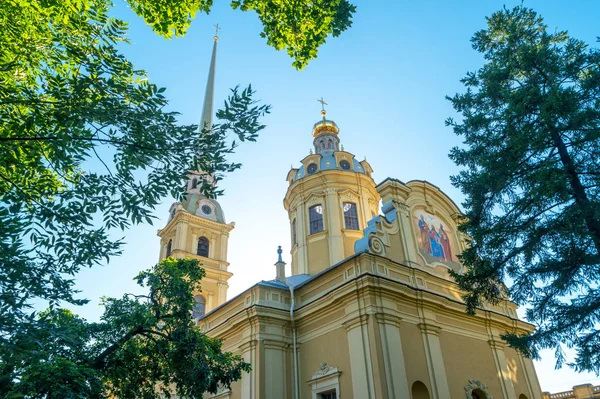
(369, 310)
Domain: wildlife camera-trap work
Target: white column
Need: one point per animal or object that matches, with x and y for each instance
(302, 232)
(224, 242)
(194, 248)
(275, 373)
(333, 212)
(210, 302)
(248, 353)
(222, 294)
(360, 358)
(393, 357)
(435, 361)
(212, 247)
(180, 236)
(531, 376)
(508, 389)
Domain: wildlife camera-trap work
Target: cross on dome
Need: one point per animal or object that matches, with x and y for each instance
(217, 29)
(323, 104)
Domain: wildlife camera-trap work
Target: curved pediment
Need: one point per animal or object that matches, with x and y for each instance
(419, 228)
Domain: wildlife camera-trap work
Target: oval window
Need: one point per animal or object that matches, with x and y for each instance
(206, 209)
(312, 168)
(344, 165)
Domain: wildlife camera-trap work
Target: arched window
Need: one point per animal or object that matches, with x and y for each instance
(330, 144)
(194, 183)
(419, 391)
(202, 247)
(294, 232)
(350, 216)
(315, 215)
(521, 396)
(169, 245)
(322, 144)
(199, 307)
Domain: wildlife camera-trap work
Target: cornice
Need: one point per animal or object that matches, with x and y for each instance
(183, 216)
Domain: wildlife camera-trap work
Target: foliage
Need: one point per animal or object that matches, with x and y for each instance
(69, 102)
(300, 26)
(531, 129)
(151, 339)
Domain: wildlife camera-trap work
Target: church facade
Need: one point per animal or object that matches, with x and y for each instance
(370, 310)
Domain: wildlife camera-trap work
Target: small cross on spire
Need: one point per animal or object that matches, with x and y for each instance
(323, 104)
(217, 29)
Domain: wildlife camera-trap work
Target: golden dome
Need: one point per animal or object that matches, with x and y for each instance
(325, 126)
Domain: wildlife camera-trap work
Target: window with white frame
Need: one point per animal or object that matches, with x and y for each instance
(327, 395)
(315, 216)
(350, 216)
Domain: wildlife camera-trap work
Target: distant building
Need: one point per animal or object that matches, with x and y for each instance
(585, 391)
(370, 310)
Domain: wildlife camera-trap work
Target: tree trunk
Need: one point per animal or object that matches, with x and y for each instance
(579, 195)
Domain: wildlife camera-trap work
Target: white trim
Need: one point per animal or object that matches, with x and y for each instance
(325, 380)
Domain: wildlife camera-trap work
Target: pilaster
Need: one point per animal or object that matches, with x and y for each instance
(275, 370)
(531, 377)
(360, 358)
(393, 357)
(222, 293)
(248, 352)
(334, 226)
(180, 236)
(508, 389)
(435, 361)
(408, 238)
(301, 234)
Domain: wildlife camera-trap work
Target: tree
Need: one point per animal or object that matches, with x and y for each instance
(151, 339)
(69, 101)
(531, 129)
(299, 26)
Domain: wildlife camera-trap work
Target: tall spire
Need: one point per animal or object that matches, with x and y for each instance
(207, 108)
(195, 178)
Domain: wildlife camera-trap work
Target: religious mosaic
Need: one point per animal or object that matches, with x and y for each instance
(435, 240)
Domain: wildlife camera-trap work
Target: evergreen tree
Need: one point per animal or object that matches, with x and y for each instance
(531, 157)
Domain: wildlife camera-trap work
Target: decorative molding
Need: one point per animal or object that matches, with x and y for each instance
(376, 245)
(427, 328)
(354, 322)
(323, 371)
(495, 344)
(348, 195)
(374, 206)
(326, 379)
(474, 385)
(377, 234)
(315, 199)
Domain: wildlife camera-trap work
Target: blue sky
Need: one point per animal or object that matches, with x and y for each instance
(385, 81)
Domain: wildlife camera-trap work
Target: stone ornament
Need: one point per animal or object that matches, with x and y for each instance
(324, 371)
(475, 385)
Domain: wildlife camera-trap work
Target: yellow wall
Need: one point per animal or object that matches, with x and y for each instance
(467, 359)
(414, 355)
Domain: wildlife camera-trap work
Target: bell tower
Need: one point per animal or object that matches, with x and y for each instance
(330, 198)
(197, 227)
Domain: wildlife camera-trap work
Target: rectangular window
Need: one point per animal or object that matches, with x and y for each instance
(350, 216)
(315, 214)
(328, 395)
